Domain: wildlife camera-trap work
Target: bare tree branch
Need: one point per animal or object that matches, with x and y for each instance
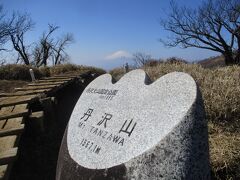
(214, 26)
(59, 48)
(21, 23)
(43, 50)
(5, 28)
(141, 59)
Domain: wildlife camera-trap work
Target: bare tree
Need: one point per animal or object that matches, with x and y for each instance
(21, 24)
(5, 28)
(49, 48)
(37, 54)
(215, 25)
(141, 59)
(59, 54)
(43, 50)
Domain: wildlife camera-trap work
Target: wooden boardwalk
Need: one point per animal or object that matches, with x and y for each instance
(14, 110)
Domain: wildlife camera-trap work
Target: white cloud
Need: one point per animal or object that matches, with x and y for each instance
(118, 54)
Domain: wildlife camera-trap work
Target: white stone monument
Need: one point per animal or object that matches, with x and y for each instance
(135, 129)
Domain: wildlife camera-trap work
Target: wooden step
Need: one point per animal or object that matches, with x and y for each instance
(13, 111)
(14, 126)
(53, 80)
(36, 88)
(8, 142)
(47, 83)
(8, 156)
(66, 75)
(9, 124)
(8, 101)
(12, 131)
(4, 171)
(25, 92)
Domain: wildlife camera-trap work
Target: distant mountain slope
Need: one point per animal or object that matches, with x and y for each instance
(212, 62)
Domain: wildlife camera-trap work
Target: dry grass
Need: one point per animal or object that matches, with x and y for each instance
(9, 85)
(224, 151)
(117, 73)
(71, 68)
(221, 93)
(18, 72)
(21, 72)
(213, 62)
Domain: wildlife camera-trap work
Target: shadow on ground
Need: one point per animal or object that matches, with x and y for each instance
(38, 152)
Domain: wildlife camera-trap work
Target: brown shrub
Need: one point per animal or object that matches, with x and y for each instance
(7, 86)
(176, 60)
(45, 71)
(72, 68)
(117, 73)
(21, 72)
(18, 72)
(152, 63)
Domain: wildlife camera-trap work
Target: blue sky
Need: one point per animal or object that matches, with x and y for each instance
(106, 32)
